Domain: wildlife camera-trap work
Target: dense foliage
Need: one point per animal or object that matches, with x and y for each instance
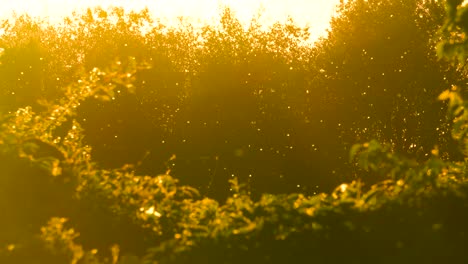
(233, 101)
(260, 104)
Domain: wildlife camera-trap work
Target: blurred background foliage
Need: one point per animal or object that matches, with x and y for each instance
(264, 105)
(255, 127)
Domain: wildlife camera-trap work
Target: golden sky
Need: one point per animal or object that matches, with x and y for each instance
(315, 13)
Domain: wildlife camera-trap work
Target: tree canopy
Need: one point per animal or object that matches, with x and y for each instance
(126, 141)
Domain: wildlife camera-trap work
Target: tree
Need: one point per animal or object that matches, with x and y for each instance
(380, 75)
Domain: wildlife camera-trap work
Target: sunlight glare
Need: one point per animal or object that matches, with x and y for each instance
(313, 13)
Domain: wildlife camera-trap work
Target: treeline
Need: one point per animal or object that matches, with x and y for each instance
(228, 100)
(67, 197)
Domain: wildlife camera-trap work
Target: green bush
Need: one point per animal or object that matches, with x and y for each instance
(63, 207)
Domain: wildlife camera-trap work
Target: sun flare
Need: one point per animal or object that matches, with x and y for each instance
(313, 13)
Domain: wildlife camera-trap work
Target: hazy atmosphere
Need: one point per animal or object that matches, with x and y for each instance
(171, 132)
(314, 13)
